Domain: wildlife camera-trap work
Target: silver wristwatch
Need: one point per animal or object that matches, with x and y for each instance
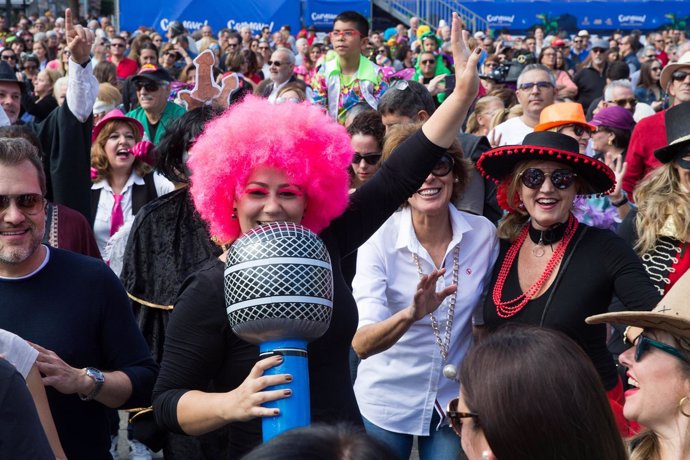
(98, 379)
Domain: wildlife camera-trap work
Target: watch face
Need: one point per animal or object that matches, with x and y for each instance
(95, 374)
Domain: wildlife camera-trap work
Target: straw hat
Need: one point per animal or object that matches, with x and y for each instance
(683, 62)
(672, 314)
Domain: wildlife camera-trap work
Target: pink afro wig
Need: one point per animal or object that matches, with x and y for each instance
(299, 139)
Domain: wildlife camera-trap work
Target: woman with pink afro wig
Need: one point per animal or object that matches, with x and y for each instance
(294, 138)
(291, 159)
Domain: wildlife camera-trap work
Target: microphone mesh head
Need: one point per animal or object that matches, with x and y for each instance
(279, 284)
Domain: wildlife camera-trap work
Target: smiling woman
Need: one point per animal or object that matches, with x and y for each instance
(553, 271)
(122, 180)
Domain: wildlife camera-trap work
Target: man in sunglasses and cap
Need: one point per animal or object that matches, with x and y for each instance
(66, 134)
(155, 112)
(650, 133)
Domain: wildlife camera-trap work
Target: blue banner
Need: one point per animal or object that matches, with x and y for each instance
(572, 16)
(321, 13)
(194, 14)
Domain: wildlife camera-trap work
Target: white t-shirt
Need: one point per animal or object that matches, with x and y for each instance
(512, 132)
(17, 352)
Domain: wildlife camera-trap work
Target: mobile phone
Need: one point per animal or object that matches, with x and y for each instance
(450, 83)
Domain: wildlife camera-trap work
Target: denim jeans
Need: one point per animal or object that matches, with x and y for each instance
(443, 444)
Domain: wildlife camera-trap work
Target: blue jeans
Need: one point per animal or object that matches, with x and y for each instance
(443, 444)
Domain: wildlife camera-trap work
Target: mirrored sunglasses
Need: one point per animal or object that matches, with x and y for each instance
(560, 178)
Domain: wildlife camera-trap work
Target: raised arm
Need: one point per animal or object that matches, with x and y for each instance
(82, 86)
(444, 125)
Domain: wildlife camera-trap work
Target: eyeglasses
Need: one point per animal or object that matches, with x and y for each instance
(541, 85)
(28, 203)
(264, 48)
(560, 178)
(428, 61)
(456, 417)
(598, 50)
(632, 102)
(655, 69)
(679, 75)
(276, 63)
(577, 129)
(148, 85)
(233, 45)
(642, 344)
(370, 158)
(347, 33)
(443, 166)
(650, 56)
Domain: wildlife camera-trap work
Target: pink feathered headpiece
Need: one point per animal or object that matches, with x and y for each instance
(313, 151)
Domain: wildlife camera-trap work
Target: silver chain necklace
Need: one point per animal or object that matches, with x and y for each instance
(443, 345)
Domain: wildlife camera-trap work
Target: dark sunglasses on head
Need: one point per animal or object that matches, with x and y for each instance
(540, 85)
(679, 75)
(560, 178)
(370, 158)
(149, 85)
(456, 417)
(443, 166)
(643, 343)
(28, 203)
(623, 102)
(577, 129)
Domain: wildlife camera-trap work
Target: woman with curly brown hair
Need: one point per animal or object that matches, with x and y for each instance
(122, 180)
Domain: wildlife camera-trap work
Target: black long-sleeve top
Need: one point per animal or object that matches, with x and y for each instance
(601, 266)
(201, 352)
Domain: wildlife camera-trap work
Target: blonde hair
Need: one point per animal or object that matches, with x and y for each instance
(505, 115)
(109, 94)
(479, 109)
(53, 76)
(461, 169)
(659, 197)
(99, 159)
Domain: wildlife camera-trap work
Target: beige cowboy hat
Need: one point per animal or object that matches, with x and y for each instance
(672, 314)
(684, 61)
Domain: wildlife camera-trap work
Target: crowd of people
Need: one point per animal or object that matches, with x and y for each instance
(496, 209)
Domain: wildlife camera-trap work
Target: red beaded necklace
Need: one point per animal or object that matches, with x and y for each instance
(512, 307)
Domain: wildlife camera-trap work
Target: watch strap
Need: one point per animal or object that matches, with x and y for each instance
(98, 379)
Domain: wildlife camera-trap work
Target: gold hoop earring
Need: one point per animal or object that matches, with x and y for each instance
(683, 400)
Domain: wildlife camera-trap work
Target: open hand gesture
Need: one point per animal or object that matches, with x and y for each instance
(426, 300)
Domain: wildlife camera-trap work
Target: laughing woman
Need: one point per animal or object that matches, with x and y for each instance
(408, 333)
(553, 271)
(122, 180)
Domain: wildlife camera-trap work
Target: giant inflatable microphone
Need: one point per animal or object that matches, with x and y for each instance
(279, 295)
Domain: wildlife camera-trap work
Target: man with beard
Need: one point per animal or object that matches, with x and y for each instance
(154, 111)
(591, 80)
(74, 311)
(536, 89)
(650, 132)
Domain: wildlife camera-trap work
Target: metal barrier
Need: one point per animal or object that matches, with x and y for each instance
(430, 12)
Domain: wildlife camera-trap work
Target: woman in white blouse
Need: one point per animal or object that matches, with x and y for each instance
(122, 180)
(418, 281)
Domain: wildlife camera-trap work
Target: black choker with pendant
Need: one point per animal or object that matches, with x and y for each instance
(546, 237)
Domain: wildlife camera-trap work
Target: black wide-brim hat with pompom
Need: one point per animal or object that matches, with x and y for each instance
(498, 163)
(677, 120)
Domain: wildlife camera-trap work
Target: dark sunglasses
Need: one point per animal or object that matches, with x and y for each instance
(679, 75)
(655, 69)
(264, 48)
(428, 61)
(456, 417)
(623, 102)
(369, 158)
(643, 343)
(28, 203)
(275, 63)
(443, 166)
(560, 178)
(540, 85)
(149, 85)
(7, 57)
(577, 129)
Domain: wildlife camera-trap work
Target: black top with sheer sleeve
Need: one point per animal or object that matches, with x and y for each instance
(601, 265)
(201, 352)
